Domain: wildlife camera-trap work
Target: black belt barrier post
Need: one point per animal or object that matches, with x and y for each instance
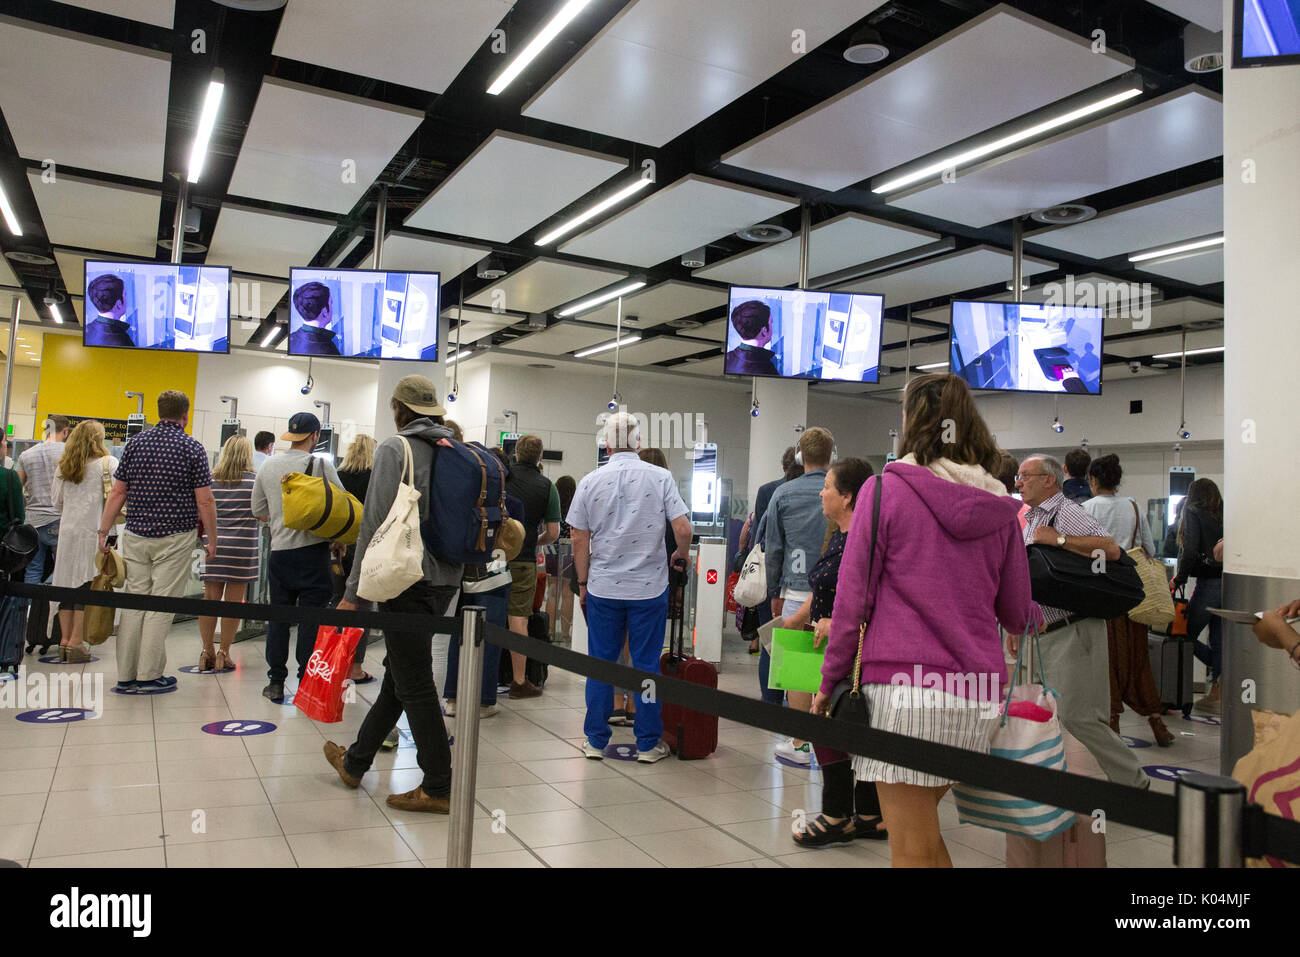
(1210, 821)
(464, 762)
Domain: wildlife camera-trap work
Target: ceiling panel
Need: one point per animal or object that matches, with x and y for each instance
(955, 87)
(72, 267)
(691, 212)
(420, 44)
(274, 164)
(1160, 344)
(82, 82)
(658, 349)
(161, 13)
(477, 324)
(416, 254)
(1199, 269)
(715, 331)
(709, 368)
(1166, 219)
(544, 284)
(7, 277)
(661, 67)
(266, 244)
(846, 240)
(254, 297)
(1170, 132)
(668, 300)
(562, 338)
(7, 310)
(80, 212)
(510, 184)
(1204, 13)
(945, 275)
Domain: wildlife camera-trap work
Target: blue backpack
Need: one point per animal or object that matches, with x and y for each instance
(467, 503)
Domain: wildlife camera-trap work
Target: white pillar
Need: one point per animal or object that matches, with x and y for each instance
(392, 370)
(1261, 445)
(782, 405)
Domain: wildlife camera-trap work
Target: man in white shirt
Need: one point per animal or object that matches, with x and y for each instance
(36, 468)
(618, 516)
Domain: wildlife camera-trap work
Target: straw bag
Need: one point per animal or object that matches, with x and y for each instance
(1156, 610)
(394, 558)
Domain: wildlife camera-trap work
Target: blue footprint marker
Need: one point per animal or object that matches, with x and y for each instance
(1166, 772)
(55, 715)
(621, 752)
(194, 670)
(1135, 742)
(238, 729)
(54, 660)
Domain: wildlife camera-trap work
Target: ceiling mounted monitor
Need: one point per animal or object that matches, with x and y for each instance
(804, 334)
(157, 306)
(1265, 33)
(1027, 347)
(363, 314)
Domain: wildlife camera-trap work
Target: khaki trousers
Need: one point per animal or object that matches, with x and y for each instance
(154, 566)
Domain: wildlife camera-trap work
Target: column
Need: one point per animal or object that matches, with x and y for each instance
(782, 405)
(1261, 445)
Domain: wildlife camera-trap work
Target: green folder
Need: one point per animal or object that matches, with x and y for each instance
(796, 664)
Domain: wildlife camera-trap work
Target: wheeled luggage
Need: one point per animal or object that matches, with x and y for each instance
(690, 734)
(1171, 666)
(539, 627)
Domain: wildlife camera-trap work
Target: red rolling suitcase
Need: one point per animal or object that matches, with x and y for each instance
(690, 734)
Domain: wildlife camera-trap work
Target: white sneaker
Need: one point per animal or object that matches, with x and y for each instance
(593, 752)
(801, 755)
(657, 753)
(450, 710)
(487, 710)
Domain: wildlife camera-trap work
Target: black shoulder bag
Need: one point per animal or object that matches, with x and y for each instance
(847, 700)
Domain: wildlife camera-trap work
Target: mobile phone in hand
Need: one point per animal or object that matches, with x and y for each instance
(111, 541)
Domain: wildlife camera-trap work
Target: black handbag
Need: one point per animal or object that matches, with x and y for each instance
(847, 701)
(1063, 579)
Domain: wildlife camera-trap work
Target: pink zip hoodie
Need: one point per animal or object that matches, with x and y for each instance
(950, 565)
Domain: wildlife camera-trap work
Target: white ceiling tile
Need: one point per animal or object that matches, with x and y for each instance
(953, 88)
(1204, 13)
(413, 42)
(1161, 344)
(715, 331)
(29, 311)
(846, 240)
(1188, 213)
(81, 212)
(417, 254)
(7, 277)
(668, 300)
(1169, 132)
(1199, 269)
(72, 267)
(81, 82)
(161, 13)
(278, 164)
(691, 212)
(661, 67)
(544, 284)
(266, 244)
(510, 184)
(561, 338)
(658, 349)
(945, 275)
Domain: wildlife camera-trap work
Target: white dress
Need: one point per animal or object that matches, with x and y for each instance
(82, 506)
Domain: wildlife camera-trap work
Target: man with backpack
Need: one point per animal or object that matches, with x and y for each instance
(408, 677)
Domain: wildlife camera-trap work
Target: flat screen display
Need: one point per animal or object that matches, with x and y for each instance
(804, 334)
(1266, 33)
(361, 314)
(157, 306)
(1027, 347)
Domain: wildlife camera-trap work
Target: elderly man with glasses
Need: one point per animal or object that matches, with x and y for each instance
(1075, 656)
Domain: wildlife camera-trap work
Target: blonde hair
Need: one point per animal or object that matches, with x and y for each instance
(86, 442)
(360, 455)
(236, 459)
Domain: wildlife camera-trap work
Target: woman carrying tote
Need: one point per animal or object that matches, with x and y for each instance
(85, 470)
(226, 577)
(941, 510)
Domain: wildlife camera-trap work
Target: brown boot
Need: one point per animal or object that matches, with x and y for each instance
(334, 755)
(525, 690)
(417, 800)
(1164, 737)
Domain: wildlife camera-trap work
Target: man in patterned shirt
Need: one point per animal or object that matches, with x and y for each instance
(165, 483)
(1075, 654)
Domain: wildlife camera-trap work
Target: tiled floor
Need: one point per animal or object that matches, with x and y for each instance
(144, 786)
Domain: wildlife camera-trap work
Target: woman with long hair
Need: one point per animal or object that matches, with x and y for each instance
(78, 492)
(354, 473)
(1198, 531)
(940, 509)
(226, 577)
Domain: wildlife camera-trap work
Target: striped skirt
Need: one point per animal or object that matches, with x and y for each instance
(931, 715)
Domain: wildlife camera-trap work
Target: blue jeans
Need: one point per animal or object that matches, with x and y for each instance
(770, 695)
(611, 621)
(47, 542)
(496, 603)
(1208, 594)
(298, 576)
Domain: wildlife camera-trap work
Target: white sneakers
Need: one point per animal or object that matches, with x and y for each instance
(657, 753)
(593, 752)
(801, 755)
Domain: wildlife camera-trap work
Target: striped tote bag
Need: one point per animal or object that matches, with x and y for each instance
(1029, 731)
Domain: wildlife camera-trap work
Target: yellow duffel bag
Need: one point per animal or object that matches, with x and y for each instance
(312, 504)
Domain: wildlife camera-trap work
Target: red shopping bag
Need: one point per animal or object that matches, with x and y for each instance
(732, 605)
(320, 693)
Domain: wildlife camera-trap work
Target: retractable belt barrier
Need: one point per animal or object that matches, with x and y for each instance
(1263, 834)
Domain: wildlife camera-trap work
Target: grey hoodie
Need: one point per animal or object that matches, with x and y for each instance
(385, 476)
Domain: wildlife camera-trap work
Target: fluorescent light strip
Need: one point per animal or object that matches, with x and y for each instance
(933, 365)
(54, 311)
(529, 53)
(606, 347)
(271, 336)
(978, 152)
(11, 218)
(463, 354)
(202, 135)
(640, 183)
(1175, 250)
(1189, 352)
(600, 298)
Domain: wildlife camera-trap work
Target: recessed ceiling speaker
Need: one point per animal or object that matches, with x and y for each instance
(1202, 50)
(186, 246)
(866, 47)
(764, 233)
(685, 323)
(1064, 215)
(693, 259)
(491, 268)
(29, 256)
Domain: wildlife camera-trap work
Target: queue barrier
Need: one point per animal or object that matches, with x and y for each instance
(1207, 816)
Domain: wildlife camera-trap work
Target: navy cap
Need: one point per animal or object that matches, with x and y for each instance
(301, 426)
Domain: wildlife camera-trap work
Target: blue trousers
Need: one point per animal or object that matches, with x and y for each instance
(496, 603)
(641, 622)
(770, 695)
(47, 542)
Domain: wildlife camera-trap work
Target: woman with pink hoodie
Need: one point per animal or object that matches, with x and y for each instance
(949, 566)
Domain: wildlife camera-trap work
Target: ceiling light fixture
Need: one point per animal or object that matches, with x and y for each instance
(271, 336)
(1175, 250)
(600, 298)
(1189, 352)
(1202, 50)
(56, 313)
(933, 365)
(11, 218)
(538, 43)
(1005, 142)
(463, 354)
(614, 199)
(207, 121)
(613, 344)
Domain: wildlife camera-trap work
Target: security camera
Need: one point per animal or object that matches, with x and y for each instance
(612, 405)
(1184, 434)
(1057, 427)
(1134, 366)
(306, 388)
(754, 410)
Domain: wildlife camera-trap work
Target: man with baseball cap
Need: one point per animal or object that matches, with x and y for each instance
(408, 676)
(299, 567)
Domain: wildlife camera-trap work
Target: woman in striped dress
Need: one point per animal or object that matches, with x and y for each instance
(226, 576)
